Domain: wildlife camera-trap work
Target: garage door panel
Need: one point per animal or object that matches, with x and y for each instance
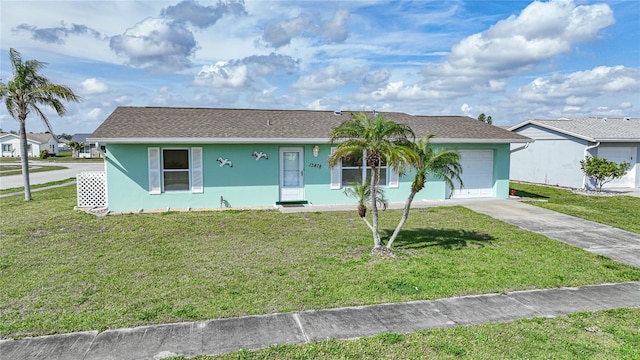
(477, 174)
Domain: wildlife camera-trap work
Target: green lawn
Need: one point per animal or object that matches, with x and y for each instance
(63, 271)
(618, 211)
(611, 334)
(35, 186)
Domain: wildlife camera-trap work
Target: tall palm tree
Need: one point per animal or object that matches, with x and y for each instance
(441, 164)
(378, 140)
(25, 93)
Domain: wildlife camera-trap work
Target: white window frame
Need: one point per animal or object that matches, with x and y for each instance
(155, 156)
(163, 171)
(391, 178)
(7, 147)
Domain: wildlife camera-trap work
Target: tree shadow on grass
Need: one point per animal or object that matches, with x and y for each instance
(449, 239)
(530, 195)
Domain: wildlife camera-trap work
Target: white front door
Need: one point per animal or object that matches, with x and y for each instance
(477, 174)
(291, 174)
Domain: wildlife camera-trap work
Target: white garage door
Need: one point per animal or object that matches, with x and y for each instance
(620, 154)
(477, 174)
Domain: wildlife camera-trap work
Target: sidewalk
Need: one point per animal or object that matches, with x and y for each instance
(252, 332)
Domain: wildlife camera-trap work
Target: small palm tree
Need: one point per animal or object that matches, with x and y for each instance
(362, 192)
(441, 164)
(75, 148)
(378, 140)
(25, 93)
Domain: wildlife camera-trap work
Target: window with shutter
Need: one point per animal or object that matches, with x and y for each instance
(155, 186)
(197, 185)
(336, 173)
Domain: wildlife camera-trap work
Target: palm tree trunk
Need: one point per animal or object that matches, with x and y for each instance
(24, 160)
(374, 211)
(405, 216)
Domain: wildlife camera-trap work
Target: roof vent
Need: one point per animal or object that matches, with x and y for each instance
(604, 119)
(337, 112)
(627, 119)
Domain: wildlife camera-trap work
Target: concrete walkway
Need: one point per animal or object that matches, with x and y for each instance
(619, 245)
(226, 335)
(14, 181)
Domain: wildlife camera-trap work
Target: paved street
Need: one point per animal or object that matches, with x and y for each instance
(73, 168)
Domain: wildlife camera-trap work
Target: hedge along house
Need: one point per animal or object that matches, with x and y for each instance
(191, 158)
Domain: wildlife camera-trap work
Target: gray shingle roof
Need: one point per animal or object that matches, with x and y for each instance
(80, 137)
(162, 124)
(40, 138)
(592, 129)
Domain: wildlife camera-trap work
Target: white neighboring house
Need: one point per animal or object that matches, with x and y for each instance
(89, 150)
(554, 157)
(35, 144)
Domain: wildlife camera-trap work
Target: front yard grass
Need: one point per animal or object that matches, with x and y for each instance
(62, 270)
(610, 334)
(622, 212)
(36, 186)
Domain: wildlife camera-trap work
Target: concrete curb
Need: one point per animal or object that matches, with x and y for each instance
(252, 332)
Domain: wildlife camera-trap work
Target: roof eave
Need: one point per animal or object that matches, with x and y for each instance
(617, 140)
(199, 140)
(553, 128)
(435, 140)
(281, 141)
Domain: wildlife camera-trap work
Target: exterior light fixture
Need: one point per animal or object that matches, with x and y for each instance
(316, 150)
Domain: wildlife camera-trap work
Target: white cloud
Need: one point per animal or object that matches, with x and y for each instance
(321, 80)
(121, 99)
(95, 114)
(222, 75)
(280, 33)
(625, 105)
(541, 32)
(576, 87)
(376, 77)
(156, 45)
(93, 86)
(465, 108)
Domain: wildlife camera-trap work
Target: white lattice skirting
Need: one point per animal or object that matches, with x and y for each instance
(92, 189)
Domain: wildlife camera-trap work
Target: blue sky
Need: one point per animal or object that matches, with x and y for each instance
(513, 60)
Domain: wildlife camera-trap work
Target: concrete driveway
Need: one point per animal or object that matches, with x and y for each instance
(73, 168)
(619, 245)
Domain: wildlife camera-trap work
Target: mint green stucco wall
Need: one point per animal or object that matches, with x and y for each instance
(255, 183)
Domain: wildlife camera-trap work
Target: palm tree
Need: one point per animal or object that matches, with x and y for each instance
(75, 148)
(25, 93)
(441, 164)
(378, 140)
(362, 192)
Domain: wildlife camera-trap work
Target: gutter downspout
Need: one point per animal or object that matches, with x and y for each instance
(586, 153)
(520, 148)
(104, 155)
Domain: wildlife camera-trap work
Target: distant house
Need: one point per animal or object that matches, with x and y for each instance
(89, 150)
(36, 142)
(559, 146)
(158, 158)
